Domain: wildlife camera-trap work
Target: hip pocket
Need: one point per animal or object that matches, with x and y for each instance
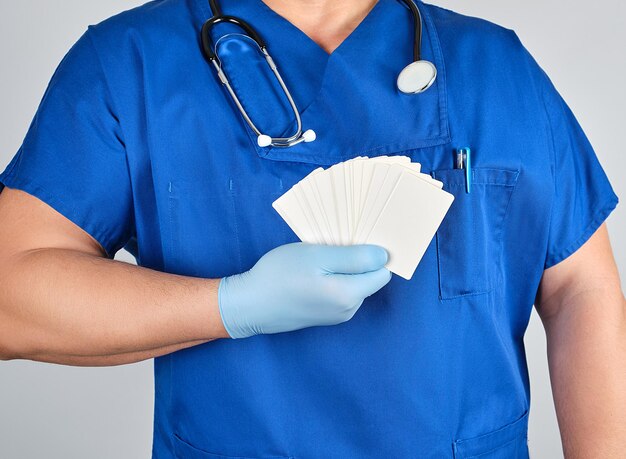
(184, 450)
(469, 239)
(508, 442)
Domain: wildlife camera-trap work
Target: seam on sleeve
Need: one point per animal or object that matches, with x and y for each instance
(598, 218)
(539, 89)
(103, 237)
(89, 34)
(551, 143)
(107, 84)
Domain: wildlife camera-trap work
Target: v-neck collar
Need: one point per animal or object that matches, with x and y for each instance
(363, 24)
(361, 71)
(255, 11)
(285, 42)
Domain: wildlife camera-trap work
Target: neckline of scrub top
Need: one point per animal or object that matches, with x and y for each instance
(343, 88)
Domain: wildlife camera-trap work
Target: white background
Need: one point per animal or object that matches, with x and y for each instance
(63, 412)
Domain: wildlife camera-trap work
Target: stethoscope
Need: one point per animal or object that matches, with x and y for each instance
(415, 78)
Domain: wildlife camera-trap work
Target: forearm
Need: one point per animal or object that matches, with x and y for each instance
(113, 359)
(70, 307)
(587, 358)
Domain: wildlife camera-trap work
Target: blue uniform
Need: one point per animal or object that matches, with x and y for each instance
(138, 143)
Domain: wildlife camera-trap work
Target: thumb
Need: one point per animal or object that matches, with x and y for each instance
(365, 284)
(353, 259)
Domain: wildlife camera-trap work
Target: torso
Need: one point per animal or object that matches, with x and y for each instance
(424, 363)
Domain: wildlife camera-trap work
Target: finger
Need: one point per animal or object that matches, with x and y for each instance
(353, 259)
(365, 284)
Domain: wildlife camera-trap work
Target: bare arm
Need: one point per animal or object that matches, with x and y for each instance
(63, 301)
(583, 310)
(113, 359)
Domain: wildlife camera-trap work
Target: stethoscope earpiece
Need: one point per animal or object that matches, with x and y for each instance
(309, 135)
(264, 140)
(417, 77)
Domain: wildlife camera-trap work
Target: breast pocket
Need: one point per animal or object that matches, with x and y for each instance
(258, 228)
(469, 240)
(222, 228)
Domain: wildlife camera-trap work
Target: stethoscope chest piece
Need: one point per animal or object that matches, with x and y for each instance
(417, 77)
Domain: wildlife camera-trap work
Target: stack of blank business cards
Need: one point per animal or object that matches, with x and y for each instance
(384, 200)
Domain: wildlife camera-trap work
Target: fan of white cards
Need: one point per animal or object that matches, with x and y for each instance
(384, 200)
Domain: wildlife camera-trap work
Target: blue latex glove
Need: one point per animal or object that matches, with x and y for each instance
(301, 285)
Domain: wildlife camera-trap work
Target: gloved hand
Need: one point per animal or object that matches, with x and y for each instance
(301, 285)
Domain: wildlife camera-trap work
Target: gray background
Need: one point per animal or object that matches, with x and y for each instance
(63, 412)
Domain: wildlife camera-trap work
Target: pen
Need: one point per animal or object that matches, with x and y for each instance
(464, 161)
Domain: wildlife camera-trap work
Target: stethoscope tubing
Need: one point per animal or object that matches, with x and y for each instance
(210, 52)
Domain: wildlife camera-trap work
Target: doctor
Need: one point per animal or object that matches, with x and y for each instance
(270, 348)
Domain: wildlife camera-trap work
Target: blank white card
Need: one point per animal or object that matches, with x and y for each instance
(384, 200)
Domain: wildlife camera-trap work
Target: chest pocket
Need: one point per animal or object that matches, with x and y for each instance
(258, 228)
(469, 240)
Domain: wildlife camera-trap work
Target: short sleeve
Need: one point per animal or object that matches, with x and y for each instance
(583, 196)
(73, 157)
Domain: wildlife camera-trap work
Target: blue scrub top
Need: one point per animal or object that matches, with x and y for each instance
(137, 142)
